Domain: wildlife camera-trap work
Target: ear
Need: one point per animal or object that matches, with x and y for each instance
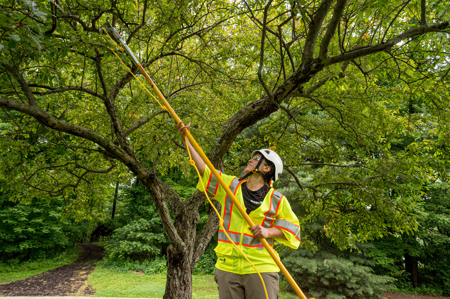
(265, 168)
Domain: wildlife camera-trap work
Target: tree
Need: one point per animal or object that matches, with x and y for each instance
(308, 85)
(415, 260)
(36, 229)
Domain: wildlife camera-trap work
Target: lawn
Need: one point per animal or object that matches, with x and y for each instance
(111, 283)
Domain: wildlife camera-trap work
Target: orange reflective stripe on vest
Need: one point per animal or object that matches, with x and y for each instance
(275, 200)
(213, 185)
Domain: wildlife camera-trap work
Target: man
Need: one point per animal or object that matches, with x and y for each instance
(268, 209)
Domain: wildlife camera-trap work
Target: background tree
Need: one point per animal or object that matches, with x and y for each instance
(311, 86)
(37, 229)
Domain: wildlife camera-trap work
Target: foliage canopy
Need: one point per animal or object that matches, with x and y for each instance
(333, 86)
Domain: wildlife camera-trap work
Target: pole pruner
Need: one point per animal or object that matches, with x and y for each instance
(114, 35)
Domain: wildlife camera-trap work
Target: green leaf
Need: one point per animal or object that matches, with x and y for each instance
(36, 41)
(12, 44)
(15, 37)
(35, 8)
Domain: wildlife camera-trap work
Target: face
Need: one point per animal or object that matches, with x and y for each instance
(252, 162)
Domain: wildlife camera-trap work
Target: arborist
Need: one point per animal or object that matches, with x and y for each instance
(268, 209)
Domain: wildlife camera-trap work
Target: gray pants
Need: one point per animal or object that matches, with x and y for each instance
(247, 286)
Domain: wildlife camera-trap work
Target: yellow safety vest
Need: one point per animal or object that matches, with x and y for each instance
(274, 211)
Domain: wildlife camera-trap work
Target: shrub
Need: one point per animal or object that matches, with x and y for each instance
(142, 236)
(155, 266)
(136, 240)
(332, 277)
(34, 230)
(207, 262)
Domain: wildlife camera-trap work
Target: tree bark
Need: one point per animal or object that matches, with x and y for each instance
(179, 275)
(412, 267)
(180, 264)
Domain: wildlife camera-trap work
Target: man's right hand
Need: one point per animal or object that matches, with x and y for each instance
(182, 130)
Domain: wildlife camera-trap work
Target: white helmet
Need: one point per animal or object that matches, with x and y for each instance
(273, 157)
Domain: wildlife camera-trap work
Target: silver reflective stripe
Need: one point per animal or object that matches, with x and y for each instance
(229, 205)
(286, 225)
(235, 237)
(251, 241)
(268, 219)
(213, 185)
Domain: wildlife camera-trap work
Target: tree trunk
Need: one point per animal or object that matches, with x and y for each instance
(181, 231)
(180, 263)
(179, 275)
(412, 267)
(116, 194)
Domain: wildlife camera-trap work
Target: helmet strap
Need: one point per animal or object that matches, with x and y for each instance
(256, 170)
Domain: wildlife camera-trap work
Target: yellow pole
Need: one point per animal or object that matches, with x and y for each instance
(223, 184)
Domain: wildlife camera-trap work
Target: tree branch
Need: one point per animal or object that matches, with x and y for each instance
(142, 24)
(261, 55)
(348, 183)
(127, 77)
(111, 110)
(325, 80)
(393, 20)
(294, 176)
(80, 178)
(174, 93)
(178, 144)
(331, 30)
(98, 64)
(314, 29)
(423, 9)
(113, 165)
(64, 89)
(142, 122)
(81, 22)
(208, 231)
(23, 84)
(52, 122)
(364, 51)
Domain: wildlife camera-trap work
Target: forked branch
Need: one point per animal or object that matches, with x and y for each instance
(261, 55)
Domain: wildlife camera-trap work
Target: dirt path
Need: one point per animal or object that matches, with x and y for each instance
(63, 281)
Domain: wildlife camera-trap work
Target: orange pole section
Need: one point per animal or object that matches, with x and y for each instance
(223, 184)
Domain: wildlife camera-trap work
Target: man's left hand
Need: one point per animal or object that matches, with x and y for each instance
(260, 231)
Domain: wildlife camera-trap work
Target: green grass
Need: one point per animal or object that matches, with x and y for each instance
(112, 283)
(13, 270)
(99, 243)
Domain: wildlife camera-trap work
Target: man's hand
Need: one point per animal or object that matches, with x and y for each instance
(261, 232)
(182, 130)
